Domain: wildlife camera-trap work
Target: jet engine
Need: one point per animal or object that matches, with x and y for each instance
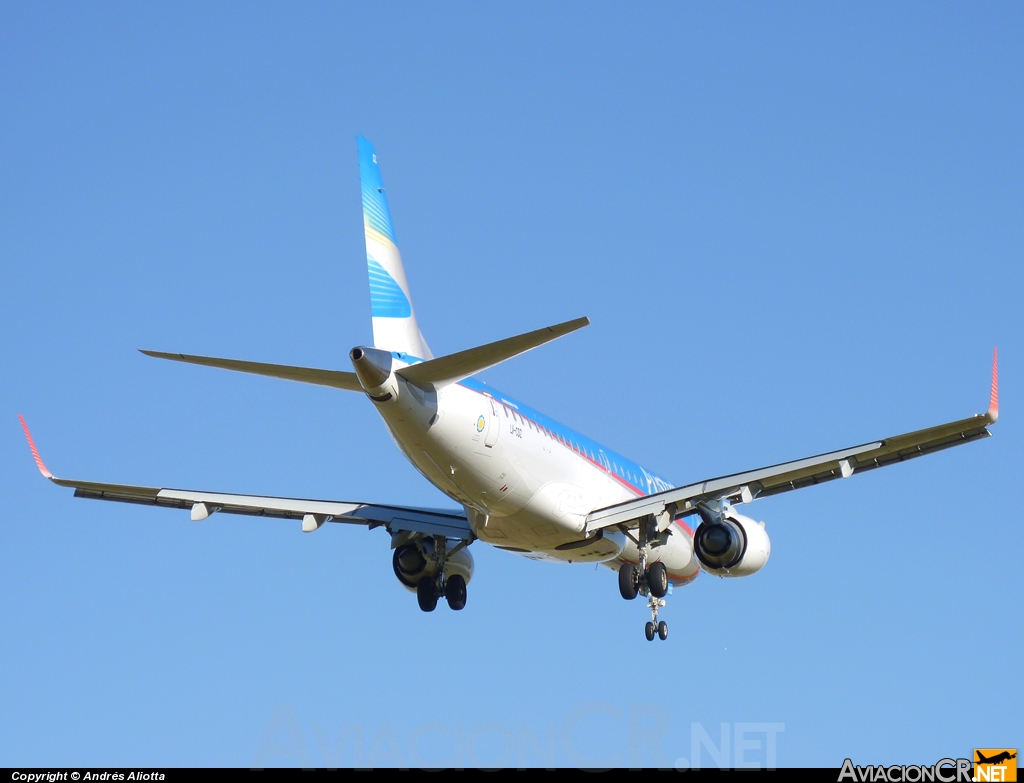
(730, 544)
(414, 559)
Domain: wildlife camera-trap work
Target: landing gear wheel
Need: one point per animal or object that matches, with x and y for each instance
(649, 631)
(657, 579)
(455, 592)
(426, 594)
(629, 585)
(663, 630)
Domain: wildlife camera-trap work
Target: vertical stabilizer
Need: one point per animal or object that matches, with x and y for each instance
(394, 320)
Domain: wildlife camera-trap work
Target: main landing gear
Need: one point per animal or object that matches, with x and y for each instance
(650, 580)
(430, 588)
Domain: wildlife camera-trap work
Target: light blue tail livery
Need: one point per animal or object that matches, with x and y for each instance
(375, 201)
(394, 321)
(387, 299)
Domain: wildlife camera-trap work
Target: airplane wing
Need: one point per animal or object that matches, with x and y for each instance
(313, 513)
(745, 487)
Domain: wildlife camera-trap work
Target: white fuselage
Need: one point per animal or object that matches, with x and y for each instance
(527, 484)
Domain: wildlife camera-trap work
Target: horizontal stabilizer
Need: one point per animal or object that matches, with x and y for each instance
(456, 366)
(335, 378)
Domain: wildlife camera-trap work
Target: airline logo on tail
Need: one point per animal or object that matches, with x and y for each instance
(394, 321)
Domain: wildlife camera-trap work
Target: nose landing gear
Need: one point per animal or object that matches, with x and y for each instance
(653, 626)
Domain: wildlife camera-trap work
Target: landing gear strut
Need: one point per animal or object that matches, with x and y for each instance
(650, 580)
(430, 588)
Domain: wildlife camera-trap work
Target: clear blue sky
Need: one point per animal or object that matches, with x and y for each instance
(794, 227)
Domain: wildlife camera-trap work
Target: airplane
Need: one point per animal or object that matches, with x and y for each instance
(523, 482)
(996, 759)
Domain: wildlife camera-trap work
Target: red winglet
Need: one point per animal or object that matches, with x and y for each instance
(993, 400)
(35, 451)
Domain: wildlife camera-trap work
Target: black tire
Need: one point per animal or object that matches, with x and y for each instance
(628, 583)
(426, 594)
(663, 630)
(649, 631)
(455, 592)
(657, 579)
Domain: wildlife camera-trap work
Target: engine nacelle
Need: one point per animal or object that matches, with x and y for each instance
(732, 545)
(414, 559)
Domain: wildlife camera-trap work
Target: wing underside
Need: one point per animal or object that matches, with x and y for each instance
(313, 513)
(763, 482)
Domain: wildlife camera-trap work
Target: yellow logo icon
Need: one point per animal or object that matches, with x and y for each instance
(480, 424)
(997, 764)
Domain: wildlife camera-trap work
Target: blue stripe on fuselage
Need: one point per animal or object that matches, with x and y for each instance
(636, 476)
(631, 473)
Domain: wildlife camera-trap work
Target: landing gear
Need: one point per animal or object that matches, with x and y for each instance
(650, 580)
(430, 588)
(455, 592)
(426, 594)
(629, 581)
(653, 626)
(657, 580)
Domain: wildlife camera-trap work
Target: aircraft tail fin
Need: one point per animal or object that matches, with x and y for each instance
(394, 320)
